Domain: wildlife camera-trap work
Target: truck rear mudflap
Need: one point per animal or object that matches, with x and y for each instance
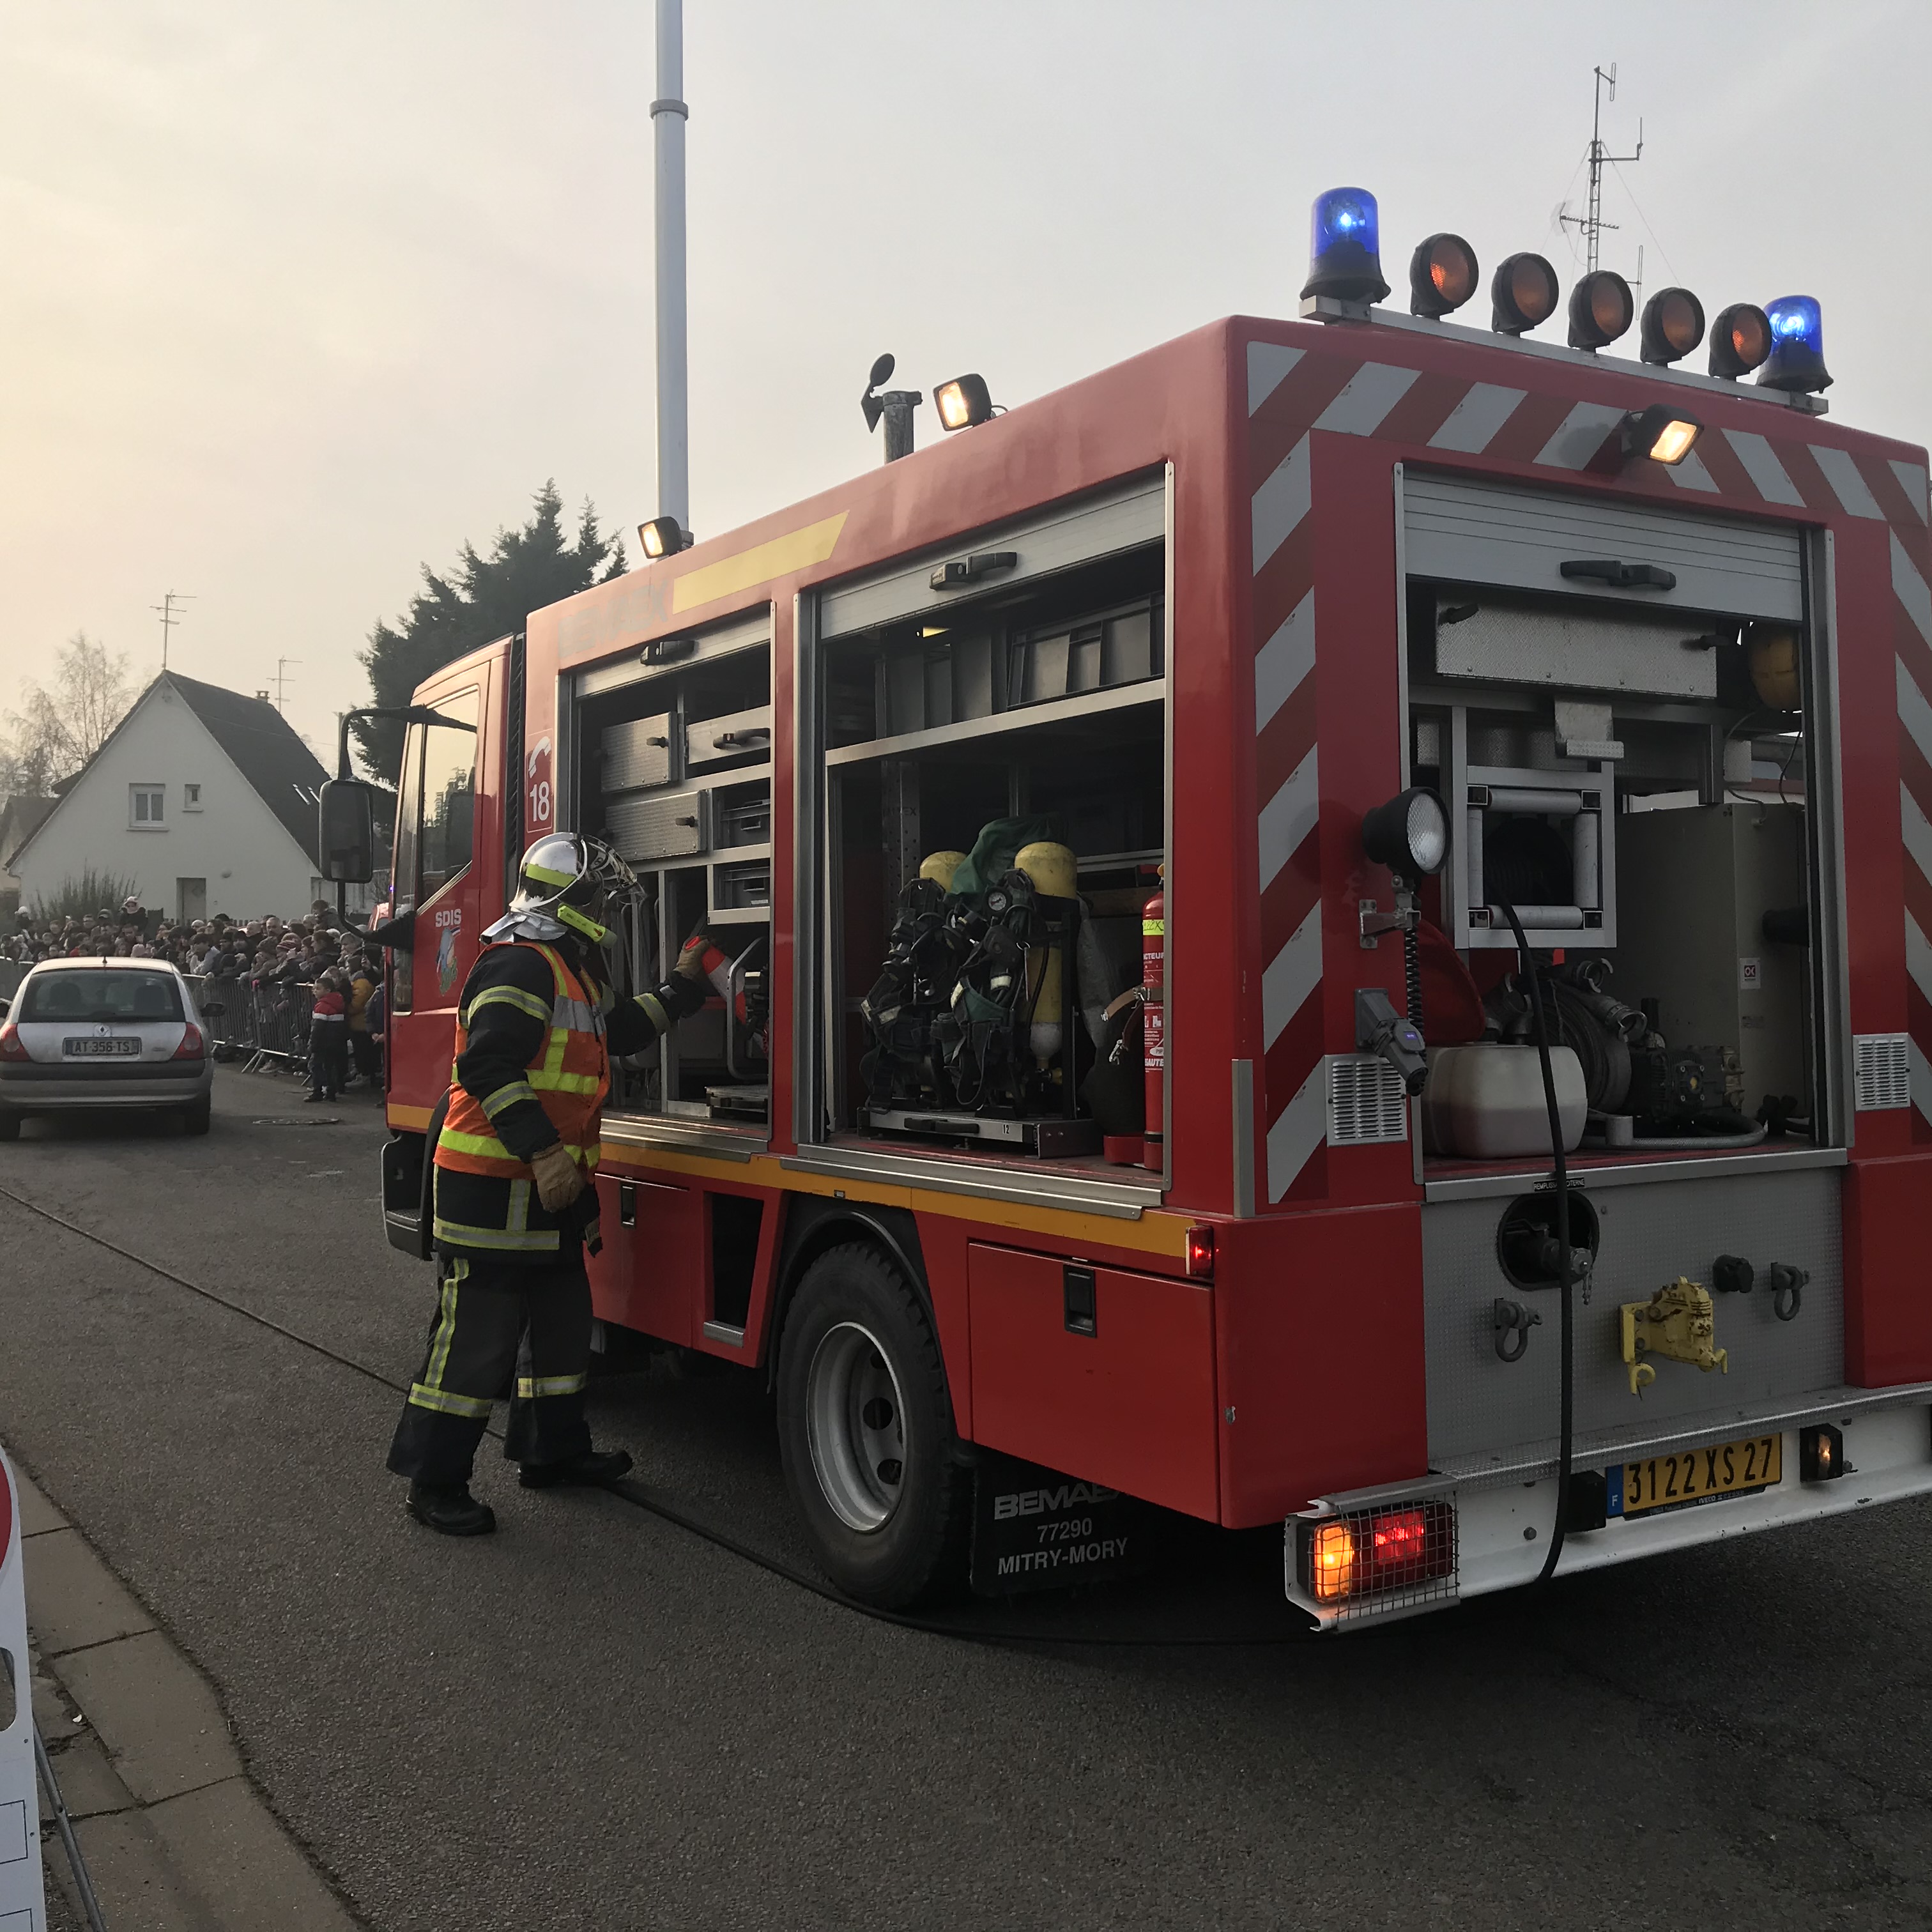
(1372, 1555)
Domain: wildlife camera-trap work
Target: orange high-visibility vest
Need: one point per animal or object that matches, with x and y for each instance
(568, 1078)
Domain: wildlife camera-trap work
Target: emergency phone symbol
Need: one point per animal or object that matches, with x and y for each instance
(536, 774)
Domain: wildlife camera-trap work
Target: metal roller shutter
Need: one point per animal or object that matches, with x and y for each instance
(1459, 531)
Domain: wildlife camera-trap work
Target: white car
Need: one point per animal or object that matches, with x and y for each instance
(103, 1033)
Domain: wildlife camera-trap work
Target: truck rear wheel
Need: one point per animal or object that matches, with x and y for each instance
(865, 1431)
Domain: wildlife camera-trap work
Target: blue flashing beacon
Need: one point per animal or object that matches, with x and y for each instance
(1345, 248)
(1797, 359)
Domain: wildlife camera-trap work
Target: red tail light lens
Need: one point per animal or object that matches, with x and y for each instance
(10, 1047)
(192, 1046)
(1201, 1253)
(1370, 1556)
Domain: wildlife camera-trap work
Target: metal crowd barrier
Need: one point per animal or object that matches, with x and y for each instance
(268, 1026)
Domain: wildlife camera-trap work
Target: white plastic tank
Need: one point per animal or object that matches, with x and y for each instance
(1485, 1102)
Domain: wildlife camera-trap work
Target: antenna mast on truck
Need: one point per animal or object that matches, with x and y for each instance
(668, 115)
(1591, 224)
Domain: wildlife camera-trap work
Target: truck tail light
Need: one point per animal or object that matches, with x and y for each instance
(1821, 1454)
(11, 1045)
(1201, 1253)
(192, 1046)
(1370, 1556)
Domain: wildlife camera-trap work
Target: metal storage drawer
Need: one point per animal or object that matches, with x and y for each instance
(740, 735)
(637, 753)
(665, 825)
(745, 821)
(737, 888)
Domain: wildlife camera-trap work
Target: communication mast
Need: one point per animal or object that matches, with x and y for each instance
(165, 610)
(1591, 224)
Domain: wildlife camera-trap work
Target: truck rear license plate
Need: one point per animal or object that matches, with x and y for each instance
(98, 1049)
(1034, 1529)
(1742, 1468)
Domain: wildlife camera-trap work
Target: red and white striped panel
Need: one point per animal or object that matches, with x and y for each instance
(1293, 392)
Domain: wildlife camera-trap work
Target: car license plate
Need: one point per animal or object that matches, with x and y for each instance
(99, 1049)
(1742, 1468)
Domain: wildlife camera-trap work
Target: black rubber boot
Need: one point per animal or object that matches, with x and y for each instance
(590, 1471)
(453, 1510)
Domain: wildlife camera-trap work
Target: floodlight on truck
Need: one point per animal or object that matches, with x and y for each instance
(1601, 309)
(1661, 434)
(1523, 296)
(1442, 275)
(662, 537)
(1673, 325)
(965, 403)
(1740, 340)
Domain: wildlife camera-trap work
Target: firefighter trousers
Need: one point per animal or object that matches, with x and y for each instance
(499, 1330)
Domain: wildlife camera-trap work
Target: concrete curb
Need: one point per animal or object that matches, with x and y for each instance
(175, 1837)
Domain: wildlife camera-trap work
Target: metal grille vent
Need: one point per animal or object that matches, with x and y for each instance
(1881, 1071)
(1365, 1101)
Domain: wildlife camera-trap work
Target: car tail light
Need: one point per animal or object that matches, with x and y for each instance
(11, 1047)
(1201, 1253)
(192, 1046)
(1370, 1557)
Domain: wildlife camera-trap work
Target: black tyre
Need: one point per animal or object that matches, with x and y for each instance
(196, 1114)
(10, 1125)
(865, 1432)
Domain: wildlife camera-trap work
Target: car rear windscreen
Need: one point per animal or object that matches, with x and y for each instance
(100, 995)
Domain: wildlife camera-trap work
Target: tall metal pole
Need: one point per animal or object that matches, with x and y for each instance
(668, 115)
(1591, 224)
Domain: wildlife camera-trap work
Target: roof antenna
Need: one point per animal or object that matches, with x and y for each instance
(281, 679)
(165, 610)
(1591, 224)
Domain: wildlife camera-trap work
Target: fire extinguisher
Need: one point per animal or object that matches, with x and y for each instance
(1154, 1028)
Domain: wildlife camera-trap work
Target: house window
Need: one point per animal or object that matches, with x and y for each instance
(191, 798)
(144, 806)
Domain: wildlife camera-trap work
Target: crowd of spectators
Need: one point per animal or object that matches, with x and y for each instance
(262, 954)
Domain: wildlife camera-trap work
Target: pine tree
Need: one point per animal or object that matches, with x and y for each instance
(483, 598)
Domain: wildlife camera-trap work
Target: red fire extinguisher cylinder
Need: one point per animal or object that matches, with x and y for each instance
(1153, 1028)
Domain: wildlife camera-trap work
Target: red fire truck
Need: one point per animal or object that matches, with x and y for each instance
(1352, 678)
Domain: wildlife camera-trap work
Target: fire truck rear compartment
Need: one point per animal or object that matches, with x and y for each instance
(1632, 769)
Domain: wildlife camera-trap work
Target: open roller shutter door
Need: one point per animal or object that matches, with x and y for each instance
(1462, 531)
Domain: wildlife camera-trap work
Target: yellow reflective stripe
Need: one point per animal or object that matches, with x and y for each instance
(529, 1387)
(489, 1148)
(565, 1083)
(520, 1207)
(654, 1011)
(493, 1104)
(445, 1331)
(538, 1241)
(444, 1403)
(507, 996)
(545, 876)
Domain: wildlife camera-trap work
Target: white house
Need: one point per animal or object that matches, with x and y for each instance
(206, 798)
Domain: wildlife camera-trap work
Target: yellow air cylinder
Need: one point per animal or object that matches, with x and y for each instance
(941, 866)
(1055, 872)
(1771, 652)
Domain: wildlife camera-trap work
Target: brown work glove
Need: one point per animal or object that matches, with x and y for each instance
(691, 961)
(560, 1179)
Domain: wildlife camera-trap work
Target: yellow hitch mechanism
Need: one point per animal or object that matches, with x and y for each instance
(1679, 1322)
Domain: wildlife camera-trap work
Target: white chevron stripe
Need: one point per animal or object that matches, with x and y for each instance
(1917, 834)
(1374, 389)
(1847, 485)
(1911, 480)
(1477, 418)
(1302, 1128)
(1267, 364)
(1284, 661)
(1690, 474)
(1280, 503)
(1910, 586)
(1291, 975)
(1762, 466)
(1579, 436)
(1920, 1075)
(1914, 713)
(1917, 956)
(1288, 817)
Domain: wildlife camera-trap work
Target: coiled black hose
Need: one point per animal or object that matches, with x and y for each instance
(1566, 1420)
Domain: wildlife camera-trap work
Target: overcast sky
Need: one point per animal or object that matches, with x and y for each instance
(294, 298)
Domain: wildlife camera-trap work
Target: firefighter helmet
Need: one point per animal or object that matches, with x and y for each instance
(567, 884)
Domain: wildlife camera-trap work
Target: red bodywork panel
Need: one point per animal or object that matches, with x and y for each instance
(1285, 442)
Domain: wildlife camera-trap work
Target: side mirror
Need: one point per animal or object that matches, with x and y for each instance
(346, 826)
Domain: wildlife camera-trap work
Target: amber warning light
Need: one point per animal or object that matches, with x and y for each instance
(1381, 1554)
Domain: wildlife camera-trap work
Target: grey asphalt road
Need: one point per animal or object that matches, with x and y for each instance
(596, 1719)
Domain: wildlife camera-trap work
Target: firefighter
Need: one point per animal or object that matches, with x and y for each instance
(515, 1205)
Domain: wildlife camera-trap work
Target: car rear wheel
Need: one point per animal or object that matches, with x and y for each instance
(196, 1114)
(865, 1432)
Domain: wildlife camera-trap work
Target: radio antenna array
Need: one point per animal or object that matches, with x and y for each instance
(1591, 224)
